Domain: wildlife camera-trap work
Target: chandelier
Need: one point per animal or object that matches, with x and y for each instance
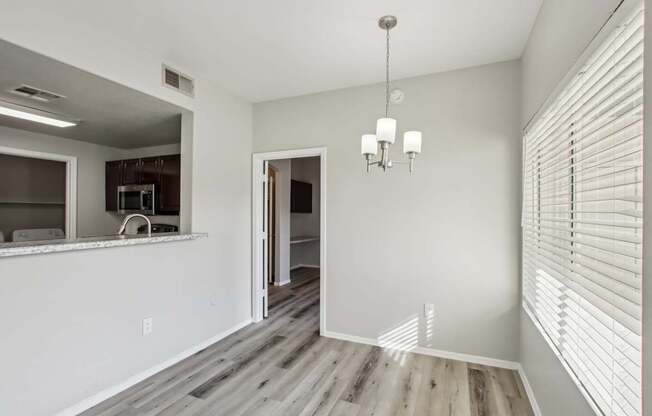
(386, 126)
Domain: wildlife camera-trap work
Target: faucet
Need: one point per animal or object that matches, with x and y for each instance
(129, 217)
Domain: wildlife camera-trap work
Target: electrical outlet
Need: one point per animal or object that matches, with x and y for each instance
(428, 310)
(147, 326)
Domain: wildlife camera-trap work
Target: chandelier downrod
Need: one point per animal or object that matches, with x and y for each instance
(387, 23)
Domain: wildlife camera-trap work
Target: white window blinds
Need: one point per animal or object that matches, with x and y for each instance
(582, 222)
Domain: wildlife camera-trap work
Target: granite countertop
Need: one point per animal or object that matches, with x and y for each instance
(87, 243)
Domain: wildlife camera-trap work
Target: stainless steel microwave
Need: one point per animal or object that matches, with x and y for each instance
(136, 199)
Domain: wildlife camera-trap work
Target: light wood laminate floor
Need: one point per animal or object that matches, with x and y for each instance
(282, 367)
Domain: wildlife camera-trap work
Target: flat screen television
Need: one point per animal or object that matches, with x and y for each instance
(301, 197)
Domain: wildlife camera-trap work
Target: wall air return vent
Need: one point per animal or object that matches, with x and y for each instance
(178, 81)
(35, 93)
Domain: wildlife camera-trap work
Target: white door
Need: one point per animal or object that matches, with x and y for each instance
(265, 238)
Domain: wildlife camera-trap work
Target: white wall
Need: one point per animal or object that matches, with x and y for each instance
(283, 221)
(303, 224)
(448, 234)
(71, 321)
(562, 31)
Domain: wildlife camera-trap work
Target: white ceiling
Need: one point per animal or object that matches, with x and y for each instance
(111, 114)
(269, 49)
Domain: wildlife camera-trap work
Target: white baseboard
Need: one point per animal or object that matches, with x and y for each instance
(282, 283)
(529, 391)
(475, 359)
(310, 266)
(113, 390)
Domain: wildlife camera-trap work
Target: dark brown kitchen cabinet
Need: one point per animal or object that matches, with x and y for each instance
(149, 168)
(170, 179)
(164, 172)
(131, 172)
(113, 175)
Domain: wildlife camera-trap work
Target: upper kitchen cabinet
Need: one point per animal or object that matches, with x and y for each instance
(131, 173)
(170, 179)
(164, 172)
(113, 179)
(149, 168)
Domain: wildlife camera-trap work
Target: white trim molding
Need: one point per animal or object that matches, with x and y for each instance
(475, 359)
(71, 181)
(529, 391)
(257, 213)
(137, 378)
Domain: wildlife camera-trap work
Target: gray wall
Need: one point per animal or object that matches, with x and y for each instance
(448, 234)
(302, 224)
(562, 31)
(71, 321)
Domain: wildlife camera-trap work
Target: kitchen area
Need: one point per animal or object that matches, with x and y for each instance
(148, 186)
(84, 159)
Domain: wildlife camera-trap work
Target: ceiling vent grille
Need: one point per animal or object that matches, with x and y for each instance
(178, 81)
(35, 93)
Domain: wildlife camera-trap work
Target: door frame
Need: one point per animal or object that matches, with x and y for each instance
(71, 181)
(258, 177)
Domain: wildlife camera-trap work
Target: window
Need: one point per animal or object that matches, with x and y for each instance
(582, 222)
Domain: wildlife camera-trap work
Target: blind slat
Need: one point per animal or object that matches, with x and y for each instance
(582, 221)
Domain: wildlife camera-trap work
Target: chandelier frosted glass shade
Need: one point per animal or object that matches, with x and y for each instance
(412, 142)
(369, 145)
(386, 130)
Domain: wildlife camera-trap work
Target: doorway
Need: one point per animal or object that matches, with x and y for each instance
(289, 229)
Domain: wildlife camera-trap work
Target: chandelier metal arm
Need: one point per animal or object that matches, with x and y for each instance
(386, 163)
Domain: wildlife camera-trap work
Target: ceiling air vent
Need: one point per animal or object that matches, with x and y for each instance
(35, 93)
(178, 81)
